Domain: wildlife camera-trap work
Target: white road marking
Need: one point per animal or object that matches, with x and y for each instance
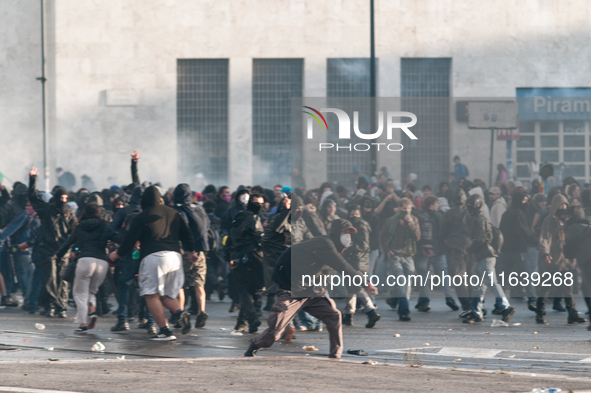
(7, 389)
(469, 352)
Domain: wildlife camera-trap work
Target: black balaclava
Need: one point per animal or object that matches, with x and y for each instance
(517, 200)
(57, 198)
(475, 205)
(254, 207)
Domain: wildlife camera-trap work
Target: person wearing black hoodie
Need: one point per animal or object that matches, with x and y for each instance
(482, 251)
(222, 201)
(195, 272)
(518, 236)
(57, 224)
(241, 197)
(91, 267)
(245, 257)
(160, 231)
(297, 290)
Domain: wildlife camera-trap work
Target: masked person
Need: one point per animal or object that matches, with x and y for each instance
(160, 231)
(57, 223)
(245, 256)
(398, 239)
(195, 272)
(296, 293)
(483, 252)
(552, 240)
(357, 255)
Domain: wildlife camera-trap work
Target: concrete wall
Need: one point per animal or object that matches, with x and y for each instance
(495, 47)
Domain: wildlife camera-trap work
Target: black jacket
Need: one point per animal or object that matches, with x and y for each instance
(246, 235)
(357, 255)
(194, 215)
(514, 226)
(232, 211)
(14, 206)
(220, 206)
(57, 221)
(314, 223)
(309, 259)
(87, 237)
(157, 228)
(277, 237)
(116, 229)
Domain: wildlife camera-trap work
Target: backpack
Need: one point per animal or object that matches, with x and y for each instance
(497, 240)
(131, 214)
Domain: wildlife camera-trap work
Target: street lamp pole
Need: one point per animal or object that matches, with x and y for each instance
(43, 103)
(372, 86)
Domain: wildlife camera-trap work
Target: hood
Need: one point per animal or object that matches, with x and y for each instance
(239, 191)
(501, 201)
(20, 193)
(517, 200)
(475, 204)
(19, 188)
(57, 195)
(476, 191)
(182, 194)
(136, 196)
(151, 197)
(335, 231)
(459, 197)
(90, 225)
(558, 200)
(325, 195)
(95, 198)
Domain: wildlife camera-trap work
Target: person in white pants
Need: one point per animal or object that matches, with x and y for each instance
(92, 266)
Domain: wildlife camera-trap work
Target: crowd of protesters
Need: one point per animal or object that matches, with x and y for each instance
(158, 250)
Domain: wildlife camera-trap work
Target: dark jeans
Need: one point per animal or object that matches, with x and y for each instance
(129, 269)
(36, 286)
(6, 270)
(24, 271)
(249, 280)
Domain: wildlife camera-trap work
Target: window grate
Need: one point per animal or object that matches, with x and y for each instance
(202, 120)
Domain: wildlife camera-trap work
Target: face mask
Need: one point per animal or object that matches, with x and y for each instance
(255, 207)
(346, 240)
(356, 214)
(244, 198)
(228, 198)
(560, 212)
(30, 210)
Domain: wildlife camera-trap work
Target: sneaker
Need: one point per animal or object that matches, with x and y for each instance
(81, 330)
(423, 307)
(152, 330)
(540, 318)
(404, 318)
(164, 335)
(121, 326)
(532, 306)
(465, 314)
(201, 318)
(251, 351)
(254, 326)
(372, 318)
(573, 317)
(347, 320)
(175, 319)
(243, 327)
(289, 333)
(185, 321)
(507, 314)
(473, 318)
(62, 314)
(143, 323)
(318, 329)
(7, 302)
(234, 307)
(451, 303)
(92, 323)
(50, 313)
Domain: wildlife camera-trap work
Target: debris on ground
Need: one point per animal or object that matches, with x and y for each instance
(397, 335)
(499, 323)
(39, 326)
(358, 352)
(309, 348)
(98, 347)
(370, 362)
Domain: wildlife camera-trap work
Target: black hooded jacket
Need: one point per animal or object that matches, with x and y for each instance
(57, 220)
(194, 215)
(116, 230)
(87, 237)
(246, 235)
(15, 205)
(157, 228)
(277, 237)
(517, 233)
(309, 258)
(455, 228)
(232, 211)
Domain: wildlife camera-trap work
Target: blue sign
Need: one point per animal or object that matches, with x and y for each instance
(554, 103)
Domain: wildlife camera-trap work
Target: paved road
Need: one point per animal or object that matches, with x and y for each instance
(434, 339)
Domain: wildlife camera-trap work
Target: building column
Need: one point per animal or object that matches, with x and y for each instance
(240, 122)
(315, 163)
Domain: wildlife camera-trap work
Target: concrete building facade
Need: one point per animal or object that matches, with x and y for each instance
(114, 82)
